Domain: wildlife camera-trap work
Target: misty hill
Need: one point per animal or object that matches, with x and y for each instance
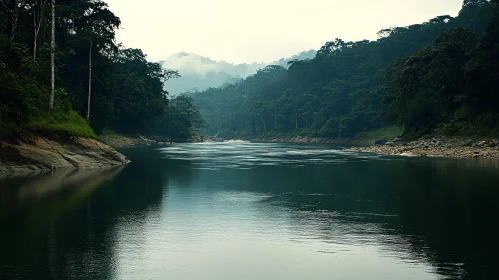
(200, 73)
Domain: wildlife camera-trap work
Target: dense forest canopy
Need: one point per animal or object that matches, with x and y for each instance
(441, 74)
(437, 76)
(115, 87)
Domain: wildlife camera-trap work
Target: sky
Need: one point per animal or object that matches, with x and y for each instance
(261, 30)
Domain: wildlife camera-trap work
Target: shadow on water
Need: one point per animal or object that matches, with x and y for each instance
(60, 225)
(438, 211)
(66, 225)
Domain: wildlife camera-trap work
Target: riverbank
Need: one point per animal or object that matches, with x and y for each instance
(40, 154)
(313, 140)
(120, 141)
(436, 147)
(425, 147)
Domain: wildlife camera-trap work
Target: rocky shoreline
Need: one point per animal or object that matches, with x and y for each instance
(41, 154)
(424, 147)
(205, 139)
(118, 141)
(140, 141)
(430, 147)
(312, 140)
(435, 147)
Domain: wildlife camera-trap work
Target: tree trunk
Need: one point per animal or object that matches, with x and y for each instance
(36, 35)
(38, 24)
(89, 79)
(52, 58)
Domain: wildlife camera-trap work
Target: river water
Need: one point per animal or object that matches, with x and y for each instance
(254, 211)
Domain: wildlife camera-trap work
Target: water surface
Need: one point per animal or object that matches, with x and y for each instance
(254, 211)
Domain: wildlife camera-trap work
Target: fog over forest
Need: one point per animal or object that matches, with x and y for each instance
(200, 73)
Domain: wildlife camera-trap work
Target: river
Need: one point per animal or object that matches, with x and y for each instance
(254, 211)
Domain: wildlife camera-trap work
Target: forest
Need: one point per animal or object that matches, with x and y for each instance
(440, 76)
(98, 85)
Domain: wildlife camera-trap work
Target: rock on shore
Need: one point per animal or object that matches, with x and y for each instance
(311, 140)
(43, 154)
(125, 141)
(204, 139)
(435, 147)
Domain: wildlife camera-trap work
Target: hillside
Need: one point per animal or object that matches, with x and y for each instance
(439, 76)
(200, 73)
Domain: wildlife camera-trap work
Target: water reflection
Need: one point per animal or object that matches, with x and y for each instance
(435, 211)
(254, 211)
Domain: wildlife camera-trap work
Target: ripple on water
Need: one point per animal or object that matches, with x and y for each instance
(249, 155)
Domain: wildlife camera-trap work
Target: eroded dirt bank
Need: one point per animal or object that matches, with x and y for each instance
(39, 154)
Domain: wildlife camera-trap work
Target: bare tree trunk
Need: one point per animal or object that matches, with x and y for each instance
(36, 34)
(89, 79)
(52, 58)
(38, 24)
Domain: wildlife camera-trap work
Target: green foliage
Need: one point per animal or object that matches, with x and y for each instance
(425, 86)
(336, 94)
(181, 118)
(449, 87)
(389, 132)
(127, 90)
(21, 94)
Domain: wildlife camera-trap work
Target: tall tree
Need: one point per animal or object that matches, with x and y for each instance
(89, 78)
(52, 58)
(38, 15)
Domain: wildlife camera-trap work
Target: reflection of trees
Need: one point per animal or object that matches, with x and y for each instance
(436, 211)
(31, 211)
(65, 225)
(454, 214)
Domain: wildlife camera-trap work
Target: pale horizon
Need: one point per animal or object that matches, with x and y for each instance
(261, 31)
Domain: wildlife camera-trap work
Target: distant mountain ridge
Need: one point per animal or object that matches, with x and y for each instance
(200, 73)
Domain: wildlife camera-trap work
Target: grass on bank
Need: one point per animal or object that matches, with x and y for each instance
(58, 122)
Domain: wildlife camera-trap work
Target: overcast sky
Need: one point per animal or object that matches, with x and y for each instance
(261, 30)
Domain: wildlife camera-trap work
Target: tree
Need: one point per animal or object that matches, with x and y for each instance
(336, 93)
(38, 15)
(52, 58)
(125, 92)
